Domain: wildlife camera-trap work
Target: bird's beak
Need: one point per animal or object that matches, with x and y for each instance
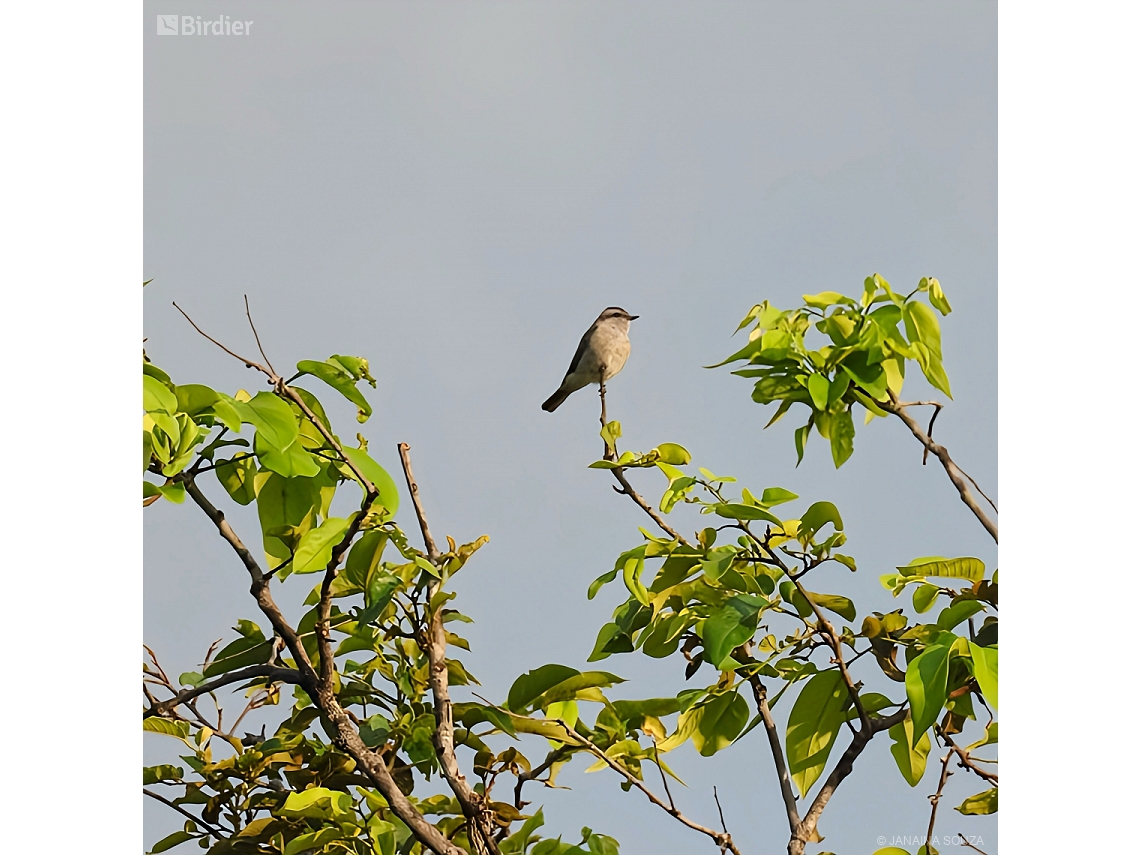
(633, 317)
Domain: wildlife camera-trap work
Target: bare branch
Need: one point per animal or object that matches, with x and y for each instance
(966, 842)
(957, 476)
(194, 819)
(937, 797)
(534, 774)
(760, 694)
(838, 774)
(259, 583)
(964, 759)
(249, 363)
(628, 490)
(436, 647)
(722, 839)
(274, 673)
(256, 337)
(413, 488)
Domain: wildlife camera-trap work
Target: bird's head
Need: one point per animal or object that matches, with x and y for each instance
(616, 314)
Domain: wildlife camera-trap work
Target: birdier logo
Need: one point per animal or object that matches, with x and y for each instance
(192, 25)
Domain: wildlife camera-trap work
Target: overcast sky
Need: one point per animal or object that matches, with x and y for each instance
(455, 191)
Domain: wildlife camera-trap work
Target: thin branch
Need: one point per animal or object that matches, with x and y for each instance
(198, 821)
(249, 363)
(553, 757)
(719, 809)
(282, 675)
(937, 797)
(436, 643)
(840, 772)
(966, 842)
(259, 584)
(413, 488)
(760, 694)
(256, 337)
(665, 781)
(722, 839)
(957, 476)
(930, 431)
(628, 490)
(964, 759)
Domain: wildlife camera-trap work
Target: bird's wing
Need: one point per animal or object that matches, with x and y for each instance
(581, 350)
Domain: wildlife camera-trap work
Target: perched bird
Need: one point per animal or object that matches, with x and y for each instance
(601, 354)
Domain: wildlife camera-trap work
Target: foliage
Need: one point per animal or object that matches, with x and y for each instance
(368, 724)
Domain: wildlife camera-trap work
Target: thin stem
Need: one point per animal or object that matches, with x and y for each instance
(722, 839)
(966, 842)
(628, 490)
(937, 797)
(256, 337)
(194, 819)
(760, 694)
(957, 476)
(413, 488)
(274, 673)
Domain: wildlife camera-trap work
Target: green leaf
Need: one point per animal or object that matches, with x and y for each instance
(165, 772)
(238, 478)
(154, 724)
(834, 603)
(631, 574)
(364, 557)
(818, 387)
(717, 723)
(291, 462)
(937, 298)
(924, 597)
(737, 511)
(389, 497)
(922, 326)
(890, 850)
(314, 841)
(604, 579)
(926, 677)
(157, 396)
(947, 568)
(240, 653)
(334, 372)
(801, 435)
(288, 508)
(985, 661)
(533, 683)
(911, 760)
(194, 399)
(819, 515)
(611, 639)
(842, 437)
(274, 420)
(582, 686)
(813, 726)
(980, 804)
(954, 614)
(826, 298)
(317, 803)
(729, 627)
(381, 587)
(314, 552)
(677, 455)
(777, 496)
(170, 841)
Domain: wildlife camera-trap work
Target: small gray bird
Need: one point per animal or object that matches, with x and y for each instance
(601, 354)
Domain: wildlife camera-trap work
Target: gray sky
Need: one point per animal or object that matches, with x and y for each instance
(455, 192)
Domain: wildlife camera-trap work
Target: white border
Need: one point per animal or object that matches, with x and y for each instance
(72, 315)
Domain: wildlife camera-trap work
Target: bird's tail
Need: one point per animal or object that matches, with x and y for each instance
(555, 401)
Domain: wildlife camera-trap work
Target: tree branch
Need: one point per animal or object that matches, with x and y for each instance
(436, 643)
(842, 770)
(628, 490)
(273, 672)
(722, 839)
(194, 819)
(937, 797)
(964, 759)
(957, 476)
(259, 584)
(760, 694)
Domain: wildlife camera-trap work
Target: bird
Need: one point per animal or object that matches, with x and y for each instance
(601, 354)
